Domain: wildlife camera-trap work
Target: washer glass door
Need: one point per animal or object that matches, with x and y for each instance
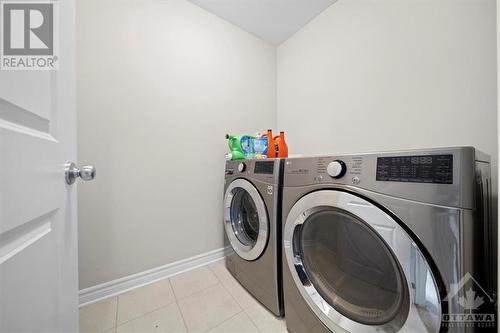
(245, 219)
(357, 268)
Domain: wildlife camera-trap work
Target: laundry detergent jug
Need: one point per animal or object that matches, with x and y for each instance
(234, 143)
(280, 146)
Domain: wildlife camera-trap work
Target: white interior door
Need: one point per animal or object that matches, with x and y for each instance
(38, 229)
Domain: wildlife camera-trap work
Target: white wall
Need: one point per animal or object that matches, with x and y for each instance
(159, 84)
(371, 75)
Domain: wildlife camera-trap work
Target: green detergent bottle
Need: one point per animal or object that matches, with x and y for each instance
(235, 147)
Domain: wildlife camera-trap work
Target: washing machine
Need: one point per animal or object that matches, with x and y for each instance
(252, 223)
(389, 242)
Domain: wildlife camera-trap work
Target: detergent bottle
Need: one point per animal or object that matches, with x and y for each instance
(280, 146)
(234, 143)
(271, 151)
(260, 146)
(247, 146)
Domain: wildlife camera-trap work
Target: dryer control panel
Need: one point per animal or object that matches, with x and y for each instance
(443, 176)
(434, 169)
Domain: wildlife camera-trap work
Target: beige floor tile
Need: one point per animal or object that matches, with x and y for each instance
(167, 319)
(220, 270)
(237, 324)
(140, 301)
(208, 308)
(98, 317)
(190, 282)
(240, 294)
(265, 321)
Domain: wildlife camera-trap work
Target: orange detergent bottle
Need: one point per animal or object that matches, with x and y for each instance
(280, 146)
(271, 150)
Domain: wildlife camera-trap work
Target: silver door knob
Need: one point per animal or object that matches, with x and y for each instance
(86, 172)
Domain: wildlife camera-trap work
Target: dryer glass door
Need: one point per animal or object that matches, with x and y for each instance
(357, 268)
(351, 267)
(245, 219)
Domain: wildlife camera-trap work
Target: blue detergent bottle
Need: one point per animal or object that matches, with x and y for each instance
(247, 146)
(260, 146)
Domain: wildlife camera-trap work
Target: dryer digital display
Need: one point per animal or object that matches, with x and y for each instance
(433, 169)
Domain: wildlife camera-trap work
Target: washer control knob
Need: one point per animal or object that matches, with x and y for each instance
(336, 169)
(241, 167)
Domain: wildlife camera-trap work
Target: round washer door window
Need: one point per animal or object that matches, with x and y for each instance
(351, 267)
(245, 219)
(357, 268)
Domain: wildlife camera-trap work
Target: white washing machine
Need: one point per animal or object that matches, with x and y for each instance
(389, 242)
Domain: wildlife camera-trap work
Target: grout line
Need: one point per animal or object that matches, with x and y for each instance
(219, 282)
(198, 291)
(245, 310)
(116, 314)
(252, 320)
(241, 307)
(145, 314)
(232, 297)
(211, 328)
(178, 306)
(227, 289)
(213, 272)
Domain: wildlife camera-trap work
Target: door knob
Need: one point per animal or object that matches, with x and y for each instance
(86, 172)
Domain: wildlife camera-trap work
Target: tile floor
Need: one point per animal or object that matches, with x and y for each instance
(206, 299)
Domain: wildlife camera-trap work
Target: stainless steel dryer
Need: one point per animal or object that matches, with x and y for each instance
(389, 242)
(252, 222)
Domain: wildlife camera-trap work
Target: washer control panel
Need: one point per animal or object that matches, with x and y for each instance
(268, 170)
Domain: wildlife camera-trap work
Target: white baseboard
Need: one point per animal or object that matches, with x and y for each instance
(127, 283)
